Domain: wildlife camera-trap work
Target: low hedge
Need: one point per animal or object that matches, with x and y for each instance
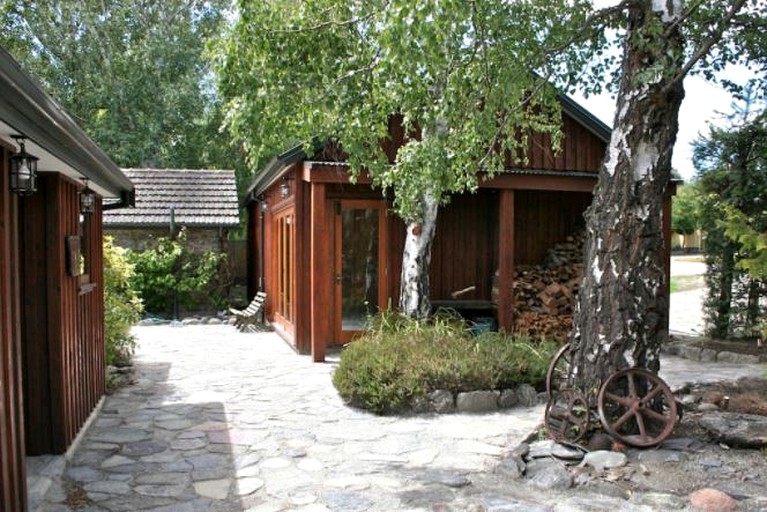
(398, 360)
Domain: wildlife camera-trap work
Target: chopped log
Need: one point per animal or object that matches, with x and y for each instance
(544, 294)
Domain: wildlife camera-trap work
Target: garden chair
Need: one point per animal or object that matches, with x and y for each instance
(247, 319)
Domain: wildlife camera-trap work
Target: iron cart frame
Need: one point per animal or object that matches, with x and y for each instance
(634, 405)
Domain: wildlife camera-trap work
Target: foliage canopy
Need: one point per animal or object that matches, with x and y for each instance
(463, 76)
(132, 72)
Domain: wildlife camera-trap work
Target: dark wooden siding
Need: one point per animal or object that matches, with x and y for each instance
(64, 373)
(465, 247)
(580, 150)
(12, 463)
(543, 218)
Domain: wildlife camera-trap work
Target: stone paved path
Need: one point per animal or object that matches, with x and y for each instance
(221, 420)
(225, 421)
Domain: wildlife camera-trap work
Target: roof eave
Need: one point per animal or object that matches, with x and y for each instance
(586, 118)
(34, 114)
(274, 169)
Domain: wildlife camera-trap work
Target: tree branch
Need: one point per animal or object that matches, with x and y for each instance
(714, 37)
(332, 23)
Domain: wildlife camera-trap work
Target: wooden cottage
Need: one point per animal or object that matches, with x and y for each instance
(328, 252)
(52, 370)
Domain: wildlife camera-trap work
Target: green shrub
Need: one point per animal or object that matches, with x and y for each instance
(122, 307)
(170, 269)
(398, 360)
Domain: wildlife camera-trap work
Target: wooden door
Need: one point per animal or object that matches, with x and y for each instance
(283, 296)
(360, 264)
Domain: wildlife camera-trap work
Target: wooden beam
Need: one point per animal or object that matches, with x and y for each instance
(506, 260)
(321, 266)
(538, 182)
(321, 172)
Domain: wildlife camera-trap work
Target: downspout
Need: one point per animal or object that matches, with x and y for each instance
(262, 222)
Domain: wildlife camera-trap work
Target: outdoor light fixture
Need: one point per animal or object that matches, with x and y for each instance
(284, 189)
(23, 170)
(87, 199)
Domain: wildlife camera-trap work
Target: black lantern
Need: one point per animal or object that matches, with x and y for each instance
(87, 199)
(284, 188)
(23, 170)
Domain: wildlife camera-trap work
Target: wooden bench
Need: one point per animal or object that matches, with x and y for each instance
(246, 319)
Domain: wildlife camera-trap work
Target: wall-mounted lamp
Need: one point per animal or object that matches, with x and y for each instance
(87, 199)
(23, 170)
(285, 187)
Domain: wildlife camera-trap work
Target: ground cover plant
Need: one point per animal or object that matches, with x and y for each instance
(398, 360)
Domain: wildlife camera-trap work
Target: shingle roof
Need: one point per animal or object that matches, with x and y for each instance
(201, 198)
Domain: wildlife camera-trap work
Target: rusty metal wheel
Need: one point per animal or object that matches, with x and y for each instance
(567, 416)
(637, 407)
(556, 376)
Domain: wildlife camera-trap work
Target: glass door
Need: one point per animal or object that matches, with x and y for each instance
(360, 264)
(284, 275)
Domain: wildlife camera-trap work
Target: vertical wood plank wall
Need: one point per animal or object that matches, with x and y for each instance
(64, 372)
(12, 462)
(464, 250)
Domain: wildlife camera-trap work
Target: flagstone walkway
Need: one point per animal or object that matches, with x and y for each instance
(219, 420)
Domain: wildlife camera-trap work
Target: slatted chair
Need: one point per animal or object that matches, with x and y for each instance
(246, 320)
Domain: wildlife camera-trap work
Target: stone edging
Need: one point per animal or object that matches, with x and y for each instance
(688, 349)
(446, 402)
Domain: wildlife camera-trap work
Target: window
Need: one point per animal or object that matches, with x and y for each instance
(284, 236)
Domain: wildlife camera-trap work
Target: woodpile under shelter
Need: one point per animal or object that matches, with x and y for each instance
(328, 253)
(52, 368)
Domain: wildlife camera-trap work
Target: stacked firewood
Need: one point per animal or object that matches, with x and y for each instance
(544, 295)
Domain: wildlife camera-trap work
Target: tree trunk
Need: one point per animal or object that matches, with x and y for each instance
(416, 261)
(752, 305)
(621, 316)
(722, 321)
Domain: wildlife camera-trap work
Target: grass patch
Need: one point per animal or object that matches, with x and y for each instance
(398, 360)
(687, 283)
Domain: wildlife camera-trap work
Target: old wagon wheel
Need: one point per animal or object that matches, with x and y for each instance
(567, 416)
(637, 407)
(556, 376)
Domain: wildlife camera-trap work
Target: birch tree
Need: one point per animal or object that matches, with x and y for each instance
(468, 74)
(621, 316)
(464, 77)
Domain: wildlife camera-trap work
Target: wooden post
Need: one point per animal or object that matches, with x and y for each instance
(506, 236)
(321, 267)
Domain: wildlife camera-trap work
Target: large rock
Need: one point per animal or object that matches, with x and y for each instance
(508, 399)
(527, 395)
(549, 448)
(712, 500)
(737, 429)
(602, 459)
(477, 401)
(442, 401)
(548, 474)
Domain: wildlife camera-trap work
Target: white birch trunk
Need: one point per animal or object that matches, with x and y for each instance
(416, 261)
(621, 316)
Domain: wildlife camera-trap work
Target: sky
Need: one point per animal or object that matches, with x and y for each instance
(703, 103)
